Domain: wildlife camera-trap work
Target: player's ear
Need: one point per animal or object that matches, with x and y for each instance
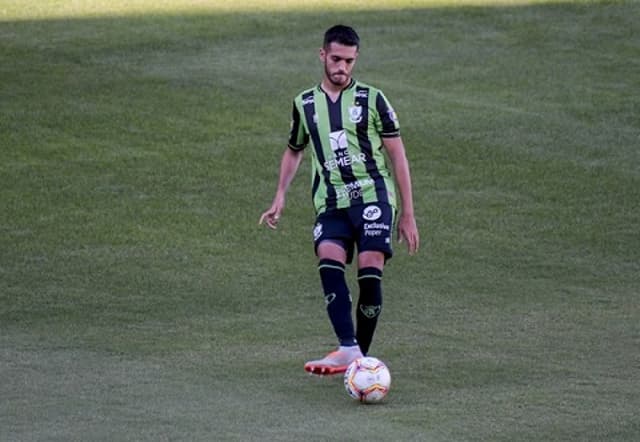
(322, 54)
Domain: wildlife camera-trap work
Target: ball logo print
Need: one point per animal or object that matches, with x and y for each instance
(367, 380)
(371, 213)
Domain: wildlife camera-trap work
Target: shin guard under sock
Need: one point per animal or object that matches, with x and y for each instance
(338, 300)
(369, 305)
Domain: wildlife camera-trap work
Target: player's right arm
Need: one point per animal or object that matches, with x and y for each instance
(298, 139)
(288, 168)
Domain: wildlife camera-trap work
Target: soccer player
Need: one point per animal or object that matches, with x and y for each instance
(347, 124)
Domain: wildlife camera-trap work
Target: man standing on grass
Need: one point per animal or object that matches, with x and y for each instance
(348, 123)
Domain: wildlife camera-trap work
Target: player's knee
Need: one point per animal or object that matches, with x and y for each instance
(371, 258)
(332, 250)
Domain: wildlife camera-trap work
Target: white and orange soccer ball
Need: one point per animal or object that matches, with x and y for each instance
(367, 379)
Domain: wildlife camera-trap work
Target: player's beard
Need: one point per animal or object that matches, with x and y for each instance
(331, 76)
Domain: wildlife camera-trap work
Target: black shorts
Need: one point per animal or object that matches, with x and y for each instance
(368, 227)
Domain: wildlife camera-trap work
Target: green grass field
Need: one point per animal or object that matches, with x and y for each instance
(140, 301)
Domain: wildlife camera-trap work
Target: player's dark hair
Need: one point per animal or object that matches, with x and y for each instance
(344, 35)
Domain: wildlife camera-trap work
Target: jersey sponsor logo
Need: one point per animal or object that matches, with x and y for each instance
(371, 213)
(344, 160)
(308, 100)
(355, 114)
(338, 140)
(342, 157)
(362, 93)
(353, 190)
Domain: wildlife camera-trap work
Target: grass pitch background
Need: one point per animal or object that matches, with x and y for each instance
(140, 301)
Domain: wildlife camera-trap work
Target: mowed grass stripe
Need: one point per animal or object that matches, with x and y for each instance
(139, 300)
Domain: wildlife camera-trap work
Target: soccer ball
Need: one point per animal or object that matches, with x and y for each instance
(367, 379)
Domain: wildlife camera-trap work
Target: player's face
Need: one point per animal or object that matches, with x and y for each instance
(338, 63)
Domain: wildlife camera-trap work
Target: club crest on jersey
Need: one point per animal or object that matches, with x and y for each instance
(355, 114)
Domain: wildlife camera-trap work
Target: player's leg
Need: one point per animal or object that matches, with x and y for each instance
(370, 266)
(333, 253)
(331, 266)
(374, 246)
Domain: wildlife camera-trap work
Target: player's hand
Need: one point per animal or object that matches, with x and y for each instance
(408, 232)
(272, 215)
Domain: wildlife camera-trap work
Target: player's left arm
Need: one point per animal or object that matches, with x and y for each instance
(407, 227)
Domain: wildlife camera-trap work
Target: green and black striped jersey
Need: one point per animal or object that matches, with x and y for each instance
(348, 165)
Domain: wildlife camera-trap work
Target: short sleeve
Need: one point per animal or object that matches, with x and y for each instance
(298, 136)
(387, 124)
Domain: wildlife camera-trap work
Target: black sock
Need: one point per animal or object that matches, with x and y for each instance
(369, 305)
(338, 300)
